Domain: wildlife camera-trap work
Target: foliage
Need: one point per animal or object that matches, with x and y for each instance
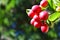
(14, 22)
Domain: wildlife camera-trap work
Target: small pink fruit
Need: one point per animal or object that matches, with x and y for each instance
(36, 17)
(43, 15)
(37, 24)
(36, 9)
(43, 3)
(43, 0)
(31, 14)
(32, 21)
(44, 28)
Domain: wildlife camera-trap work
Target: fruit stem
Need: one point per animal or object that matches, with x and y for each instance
(52, 24)
(27, 10)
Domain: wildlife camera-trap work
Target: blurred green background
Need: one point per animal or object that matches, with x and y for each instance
(15, 24)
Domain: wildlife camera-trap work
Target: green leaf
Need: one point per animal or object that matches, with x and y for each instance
(6, 33)
(48, 22)
(50, 2)
(1, 28)
(52, 34)
(35, 36)
(6, 21)
(21, 37)
(12, 33)
(54, 16)
(4, 2)
(54, 6)
(56, 2)
(10, 5)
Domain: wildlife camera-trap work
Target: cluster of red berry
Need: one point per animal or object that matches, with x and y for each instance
(39, 16)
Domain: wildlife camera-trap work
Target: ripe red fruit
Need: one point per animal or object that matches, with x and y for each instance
(43, 15)
(43, 0)
(36, 17)
(37, 24)
(43, 3)
(32, 21)
(36, 9)
(44, 28)
(31, 14)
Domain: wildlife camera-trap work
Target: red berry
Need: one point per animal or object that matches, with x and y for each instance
(31, 14)
(36, 17)
(43, 0)
(44, 28)
(36, 9)
(43, 15)
(44, 3)
(32, 21)
(37, 24)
